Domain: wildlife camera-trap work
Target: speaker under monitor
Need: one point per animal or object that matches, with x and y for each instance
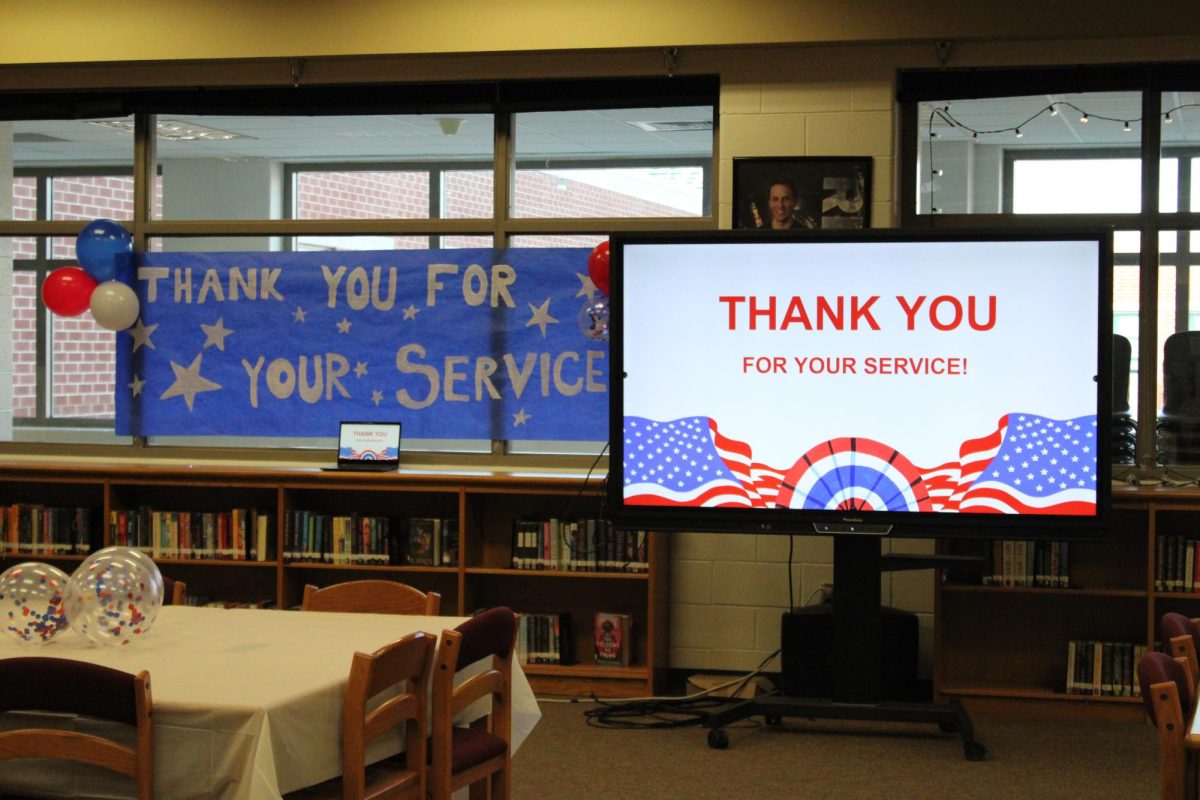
(807, 653)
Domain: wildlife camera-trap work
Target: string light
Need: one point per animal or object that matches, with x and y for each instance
(943, 112)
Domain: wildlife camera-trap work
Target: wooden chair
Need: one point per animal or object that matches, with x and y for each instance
(1181, 639)
(372, 597)
(464, 756)
(1167, 690)
(76, 687)
(404, 663)
(174, 592)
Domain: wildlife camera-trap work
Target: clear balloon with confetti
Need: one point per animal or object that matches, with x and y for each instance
(114, 596)
(32, 602)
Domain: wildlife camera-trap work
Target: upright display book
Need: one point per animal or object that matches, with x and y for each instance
(422, 534)
(614, 638)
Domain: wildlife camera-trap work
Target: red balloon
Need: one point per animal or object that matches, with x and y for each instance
(67, 291)
(598, 266)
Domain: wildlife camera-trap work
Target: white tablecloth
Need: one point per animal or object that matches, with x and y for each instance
(247, 702)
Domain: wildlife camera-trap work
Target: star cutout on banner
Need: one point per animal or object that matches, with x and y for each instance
(587, 288)
(520, 418)
(344, 326)
(411, 312)
(376, 397)
(541, 316)
(216, 334)
(360, 369)
(141, 333)
(136, 385)
(299, 314)
(189, 383)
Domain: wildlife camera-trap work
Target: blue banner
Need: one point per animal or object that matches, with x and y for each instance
(477, 344)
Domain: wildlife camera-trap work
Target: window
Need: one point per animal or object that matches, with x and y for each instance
(382, 169)
(1118, 153)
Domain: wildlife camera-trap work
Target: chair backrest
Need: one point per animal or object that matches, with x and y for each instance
(459, 756)
(1181, 374)
(372, 597)
(1181, 639)
(174, 592)
(404, 664)
(1122, 357)
(1164, 683)
(77, 687)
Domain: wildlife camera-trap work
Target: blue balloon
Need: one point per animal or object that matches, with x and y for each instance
(104, 249)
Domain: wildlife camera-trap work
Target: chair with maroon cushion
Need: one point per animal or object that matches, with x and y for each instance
(59, 685)
(405, 663)
(1166, 692)
(1181, 639)
(372, 597)
(174, 592)
(462, 756)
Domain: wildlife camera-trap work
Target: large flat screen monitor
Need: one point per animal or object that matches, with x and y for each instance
(880, 383)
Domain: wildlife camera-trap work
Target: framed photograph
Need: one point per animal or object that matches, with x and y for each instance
(802, 193)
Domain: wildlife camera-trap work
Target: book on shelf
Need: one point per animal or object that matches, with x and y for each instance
(1016, 562)
(583, 545)
(421, 534)
(1176, 568)
(544, 639)
(35, 529)
(353, 539)
(432, 542)
(236, 535)
(1103, 669)
(612, 634)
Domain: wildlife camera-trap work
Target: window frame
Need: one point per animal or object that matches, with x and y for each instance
(503, 99)
(1151, 80)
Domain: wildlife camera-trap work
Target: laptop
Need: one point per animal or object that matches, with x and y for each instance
(368, 446)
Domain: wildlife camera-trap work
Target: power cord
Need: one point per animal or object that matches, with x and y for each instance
(667, 712)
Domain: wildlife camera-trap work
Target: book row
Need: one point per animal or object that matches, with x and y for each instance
(1016, 562)
(236, 535)
(364, 539)
(547, 639)
(1176, 568)
(588, 545)
(1103, 668)
(46, 530)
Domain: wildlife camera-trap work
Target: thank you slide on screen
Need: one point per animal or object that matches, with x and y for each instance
(902, 376)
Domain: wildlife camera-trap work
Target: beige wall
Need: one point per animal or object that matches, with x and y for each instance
(727, 591)
(124, 30)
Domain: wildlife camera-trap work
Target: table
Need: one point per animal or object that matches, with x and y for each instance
(247, 702)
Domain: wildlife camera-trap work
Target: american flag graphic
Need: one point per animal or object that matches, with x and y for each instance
(687, 462)
(1029, 465)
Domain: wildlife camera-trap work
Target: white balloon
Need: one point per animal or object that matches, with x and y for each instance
(114, 305)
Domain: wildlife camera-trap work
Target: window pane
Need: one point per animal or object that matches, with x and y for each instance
(467, 194)
(230, 167)
(360, 195)
(1126, 309)
(1179, 368)
(1076, 186)
(83, 359)
(966, 149)
(637, 162)
(588, 240)
(56, 147)
(24, 344)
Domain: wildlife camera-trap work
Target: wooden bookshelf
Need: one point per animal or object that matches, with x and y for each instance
(1004, 648)
(484, 506)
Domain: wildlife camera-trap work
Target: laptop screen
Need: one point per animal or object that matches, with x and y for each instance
(365, 442)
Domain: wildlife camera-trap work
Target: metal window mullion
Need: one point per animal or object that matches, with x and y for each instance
(1147, 445)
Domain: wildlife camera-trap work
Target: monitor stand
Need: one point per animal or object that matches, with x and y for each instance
(858, 657)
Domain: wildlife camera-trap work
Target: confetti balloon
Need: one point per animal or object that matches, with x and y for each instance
(593, 320)
(114, 596)
(32, 601)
